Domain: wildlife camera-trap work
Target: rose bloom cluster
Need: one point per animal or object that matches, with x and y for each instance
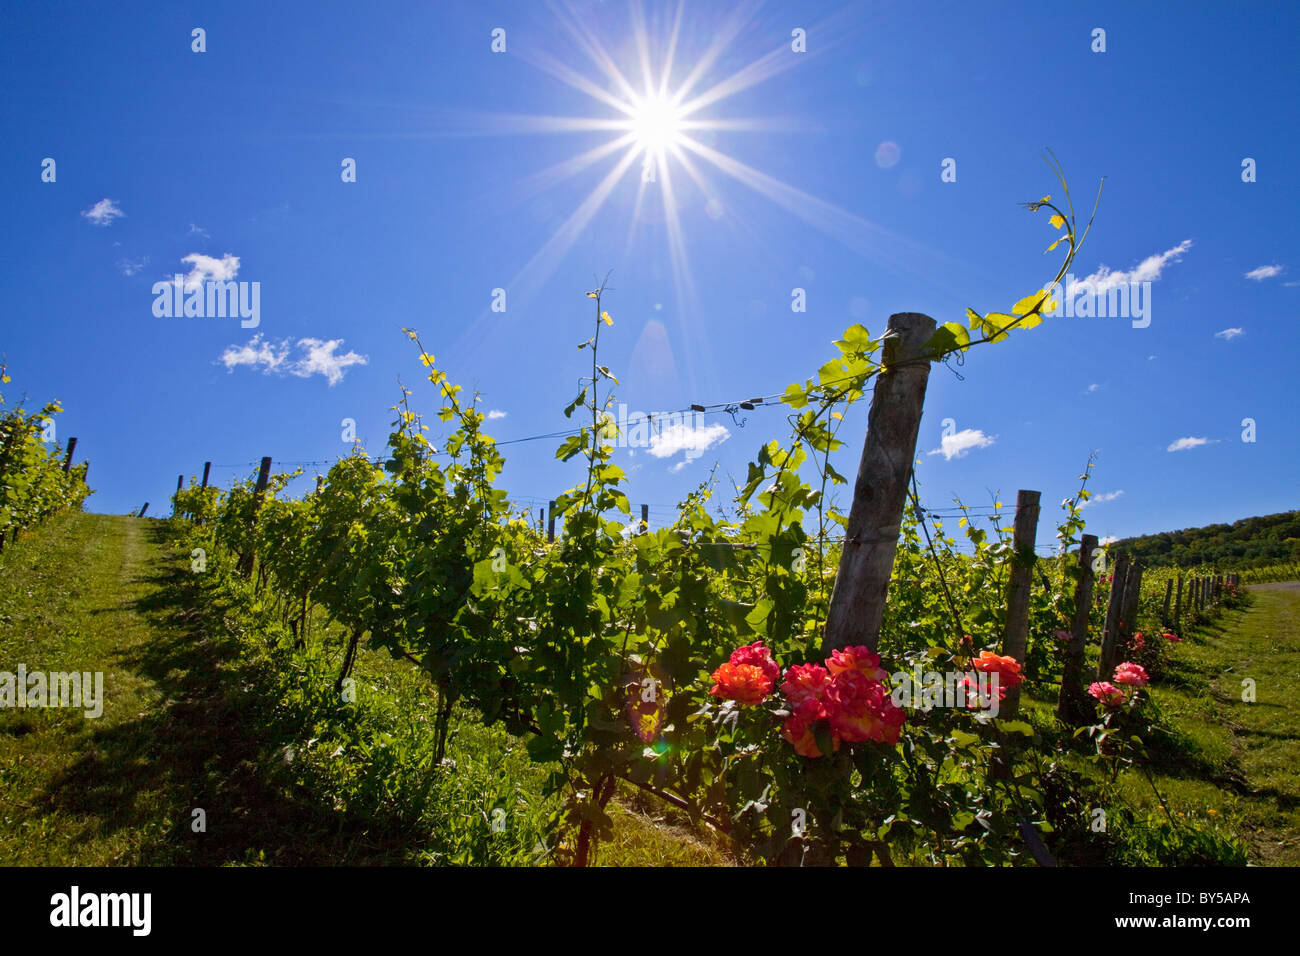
(1127, 675)
(848, 693)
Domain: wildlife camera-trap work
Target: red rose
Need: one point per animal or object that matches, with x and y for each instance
(798, 728)
(804, 681)
(860, 709)
(759, 656)
(858, 659)
(1007, 668)
(745, 683)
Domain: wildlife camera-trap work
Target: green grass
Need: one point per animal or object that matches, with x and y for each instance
(1231, 760)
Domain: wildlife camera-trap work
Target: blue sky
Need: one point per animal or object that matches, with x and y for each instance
(235, 153)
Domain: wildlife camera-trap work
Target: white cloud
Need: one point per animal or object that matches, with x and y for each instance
(1150, 358)
(258, 352)
(103, 212)
(130, 267)
(198, 231)
(1148, 270)
(1109, 539)
(209, 269)
(495, 414)
(676, 437)
(1184, 443)
(677, 467)
(319, 358)
(1101, 499)
(959, 444)
(1229, 334)
(1093, 387)
(1264, 272)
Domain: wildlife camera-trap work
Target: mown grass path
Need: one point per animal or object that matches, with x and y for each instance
(178, 732)
(1234, 760)
(1264, 646)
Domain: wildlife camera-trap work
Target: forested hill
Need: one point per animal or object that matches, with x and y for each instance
(1248, 543)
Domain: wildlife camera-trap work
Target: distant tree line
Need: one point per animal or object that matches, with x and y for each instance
(1248, 543)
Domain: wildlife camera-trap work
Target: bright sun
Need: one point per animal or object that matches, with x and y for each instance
(655, 123)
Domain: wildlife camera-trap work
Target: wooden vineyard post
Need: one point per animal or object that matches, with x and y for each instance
(143, 510)
(1106, 665)
(1178, 605)
(550, 521)
(263, 477)
(320, 482)
(857, 602)
(67, 459)
(645, 519)
(180, 480)
(1128, 614)
(207, 467)
(1164, 615)
(1072, 705)
(1015, 636)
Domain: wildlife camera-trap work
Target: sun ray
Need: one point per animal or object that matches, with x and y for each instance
(864, 237)
(552, 176)
(591, 46)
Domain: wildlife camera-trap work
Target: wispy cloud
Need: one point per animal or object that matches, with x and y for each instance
(209, 269)
(130, 267)
(1229, 334)
(1185, 443)
(198, 231)
(1148, 270)
(316, 357)
(103, 212)
(1092, 388)
(676, 437)
(1109, 539)
(1101, 499)
(495, 414)
(1264, 272)
(959, 444)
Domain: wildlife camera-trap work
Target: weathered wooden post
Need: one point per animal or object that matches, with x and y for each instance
(550, 521)
(263, 478)
(1015, 636)
(320, 483)
(1169, 592)
(857, 602)
(180, 480)
(645, 519)
(67, 459)
(1128, 613)
(207, 467)
(1178, 605)
(143, 510)
(1106, 663)
(1072, 704)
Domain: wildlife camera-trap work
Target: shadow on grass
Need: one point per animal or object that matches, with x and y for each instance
(212, 744)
